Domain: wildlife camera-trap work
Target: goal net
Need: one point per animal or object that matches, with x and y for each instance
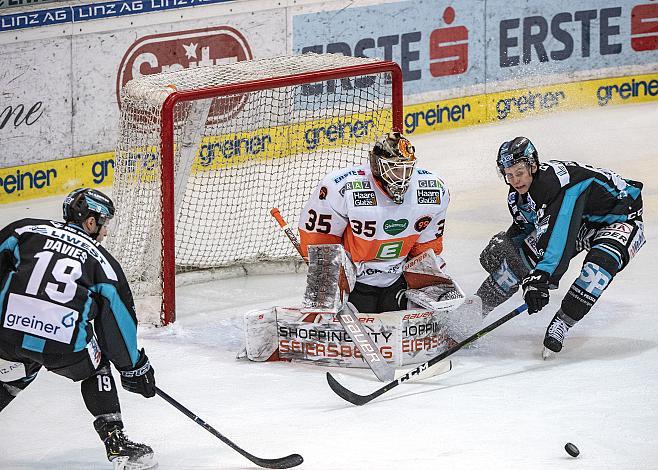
(204, 154)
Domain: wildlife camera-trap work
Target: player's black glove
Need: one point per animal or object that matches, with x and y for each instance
(535, 290)
(141, 378)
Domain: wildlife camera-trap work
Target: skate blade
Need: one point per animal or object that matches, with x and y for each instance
(547, 354)
(119, 463)
(144, 463)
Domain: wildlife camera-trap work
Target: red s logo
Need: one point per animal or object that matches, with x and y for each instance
(449, 48)
(644, 27)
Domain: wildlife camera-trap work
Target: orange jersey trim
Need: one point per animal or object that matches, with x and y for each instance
(313, 238)
(367, 250)
(436, 245)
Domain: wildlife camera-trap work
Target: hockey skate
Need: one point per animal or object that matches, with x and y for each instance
(556, 333)
(126, 454)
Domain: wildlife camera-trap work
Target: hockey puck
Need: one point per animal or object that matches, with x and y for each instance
(571, 449)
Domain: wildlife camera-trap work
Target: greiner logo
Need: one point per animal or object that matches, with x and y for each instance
(626, 90)
(233, 147)
(54, 321)
(529, 102)
(315, 136)
(27, 180)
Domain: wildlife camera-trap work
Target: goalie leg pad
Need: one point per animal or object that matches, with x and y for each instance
(331, 277)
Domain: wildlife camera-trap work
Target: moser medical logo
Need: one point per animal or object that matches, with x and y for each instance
(187, 49)
(577, 34)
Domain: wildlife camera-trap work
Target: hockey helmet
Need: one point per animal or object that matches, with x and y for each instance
(392, 161)
(517, 150)
(83, 203)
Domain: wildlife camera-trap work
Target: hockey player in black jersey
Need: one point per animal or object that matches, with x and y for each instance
(66, 306)
(559, 209)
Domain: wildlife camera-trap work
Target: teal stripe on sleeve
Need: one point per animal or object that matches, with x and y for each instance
(11, 244)
(124, 320)
(560, 233)
(81, 340)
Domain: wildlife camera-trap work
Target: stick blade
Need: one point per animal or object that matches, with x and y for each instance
(346, 394)
(288, 461)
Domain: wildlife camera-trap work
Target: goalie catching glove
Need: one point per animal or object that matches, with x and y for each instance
(141, 378)
(428, 286)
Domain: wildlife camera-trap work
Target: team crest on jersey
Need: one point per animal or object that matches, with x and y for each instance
(422, 223)
(429, 196)
(323, 193)
(364, 198)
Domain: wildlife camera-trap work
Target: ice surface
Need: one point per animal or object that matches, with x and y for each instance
(501, 407)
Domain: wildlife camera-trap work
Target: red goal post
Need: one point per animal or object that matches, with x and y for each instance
(262, 124)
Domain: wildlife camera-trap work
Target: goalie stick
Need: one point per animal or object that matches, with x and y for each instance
(288, 461)
(348, 319)
(359, 400)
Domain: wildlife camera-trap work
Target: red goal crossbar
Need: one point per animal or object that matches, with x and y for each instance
(168, 306)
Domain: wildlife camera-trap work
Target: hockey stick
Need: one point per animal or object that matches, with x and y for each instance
(348, 319)
(437, 369)
(356, 399)
(288, 461)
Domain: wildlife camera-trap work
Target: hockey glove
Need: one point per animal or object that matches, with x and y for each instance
(140, 379)
(535, 290)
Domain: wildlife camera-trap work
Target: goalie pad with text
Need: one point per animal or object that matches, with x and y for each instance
(403, 337)
(330, 279)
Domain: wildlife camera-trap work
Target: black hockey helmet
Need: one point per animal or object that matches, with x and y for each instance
(392, 161)
(514, 151)
(83, 203)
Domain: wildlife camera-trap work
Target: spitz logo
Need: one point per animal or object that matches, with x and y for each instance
(187, 49)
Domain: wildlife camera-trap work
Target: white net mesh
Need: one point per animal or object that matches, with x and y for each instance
(236, 157)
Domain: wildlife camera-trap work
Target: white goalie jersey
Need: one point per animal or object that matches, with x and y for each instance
(349, 207)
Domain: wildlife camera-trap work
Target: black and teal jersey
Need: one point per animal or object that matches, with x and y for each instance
(56, 283)
(565, 196)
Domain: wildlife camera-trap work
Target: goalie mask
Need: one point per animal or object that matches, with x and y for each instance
(83, 203)
(392, 161)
